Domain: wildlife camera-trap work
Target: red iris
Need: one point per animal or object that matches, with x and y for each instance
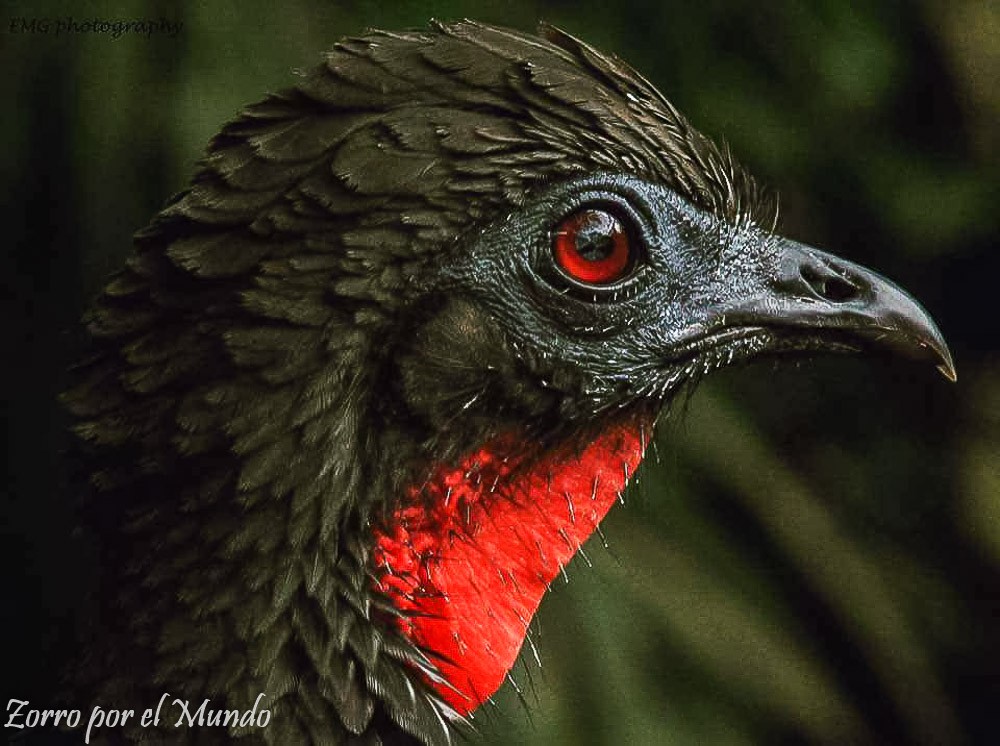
(592, 246)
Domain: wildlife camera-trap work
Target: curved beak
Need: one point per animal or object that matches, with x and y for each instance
(813, 290)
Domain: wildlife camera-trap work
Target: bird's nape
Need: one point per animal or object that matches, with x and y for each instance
(368, 384)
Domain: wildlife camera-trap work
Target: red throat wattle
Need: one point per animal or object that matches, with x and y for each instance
(469, 554)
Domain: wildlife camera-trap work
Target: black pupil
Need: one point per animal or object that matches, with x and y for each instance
(595, 237)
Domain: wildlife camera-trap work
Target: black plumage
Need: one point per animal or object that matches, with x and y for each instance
(355, 288)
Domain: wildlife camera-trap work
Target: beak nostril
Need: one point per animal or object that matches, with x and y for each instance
(829, 286)
(838, 290)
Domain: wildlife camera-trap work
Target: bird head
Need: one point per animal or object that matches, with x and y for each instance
(612, 291)
(369, 383)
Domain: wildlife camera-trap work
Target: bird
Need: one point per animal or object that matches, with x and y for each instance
(365, 387)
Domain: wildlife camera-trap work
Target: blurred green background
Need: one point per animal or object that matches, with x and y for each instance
(814, 555)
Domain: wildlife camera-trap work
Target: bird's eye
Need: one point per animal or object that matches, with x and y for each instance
(593, 247)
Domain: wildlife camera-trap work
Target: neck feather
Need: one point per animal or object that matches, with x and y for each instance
(469, 554)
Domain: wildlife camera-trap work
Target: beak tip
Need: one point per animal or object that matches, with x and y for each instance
(945, 362)
(947, 369)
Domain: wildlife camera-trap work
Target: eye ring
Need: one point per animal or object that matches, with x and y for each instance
(593, 247)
